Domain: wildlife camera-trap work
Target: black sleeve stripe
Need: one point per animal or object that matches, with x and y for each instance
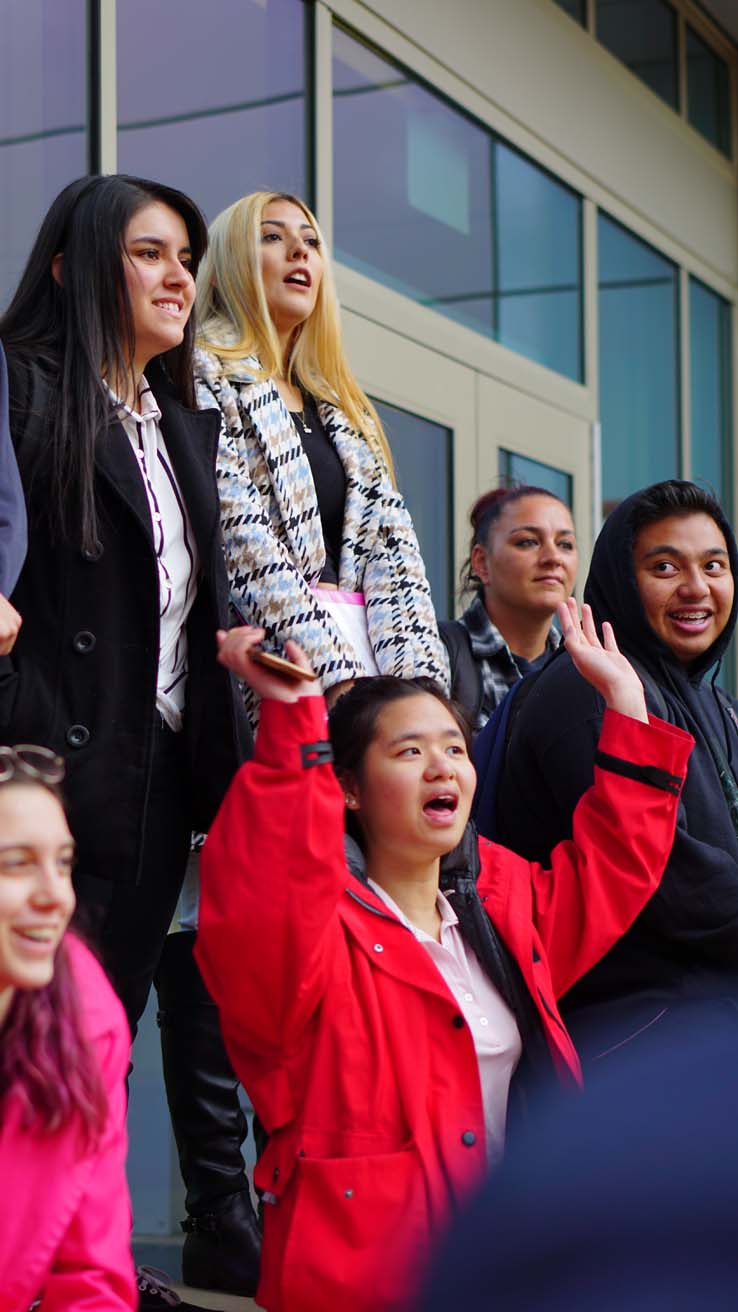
(643, 774)
(319, 753)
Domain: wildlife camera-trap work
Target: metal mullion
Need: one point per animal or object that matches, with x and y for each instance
(322, 117)
(685, 372)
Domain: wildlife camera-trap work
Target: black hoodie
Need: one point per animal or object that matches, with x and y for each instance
(684, 945)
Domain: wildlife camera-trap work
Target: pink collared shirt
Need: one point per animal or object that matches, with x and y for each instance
(493, 1027)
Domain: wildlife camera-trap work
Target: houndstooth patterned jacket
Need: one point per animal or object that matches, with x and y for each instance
(274, 541)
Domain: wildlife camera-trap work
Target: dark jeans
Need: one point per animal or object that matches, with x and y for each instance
(128, 922)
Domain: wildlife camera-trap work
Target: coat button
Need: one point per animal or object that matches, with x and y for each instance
(92, 553)
(348, 1193)
(458, 1022)
(275, 1173)
(84, 642)
(378, 947)
(77, 735)
(468, 1138)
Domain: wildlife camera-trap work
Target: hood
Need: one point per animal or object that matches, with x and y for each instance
(612, 592)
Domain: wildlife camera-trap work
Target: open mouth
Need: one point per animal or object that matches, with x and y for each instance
(169, 307)
(691, 621)
(37, 940)
(442, 808)
(301, 278)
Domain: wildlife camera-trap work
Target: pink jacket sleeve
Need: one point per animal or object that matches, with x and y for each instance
(93, 1268)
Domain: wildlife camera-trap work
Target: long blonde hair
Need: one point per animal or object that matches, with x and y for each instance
(234, 317)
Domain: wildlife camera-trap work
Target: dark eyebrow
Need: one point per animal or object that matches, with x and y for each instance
(418, 735)
(158, 241)
(280, 223)
(666, 550)
(537, 528)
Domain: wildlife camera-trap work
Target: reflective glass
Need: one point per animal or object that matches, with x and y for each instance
(430, 203)
(422, 454)
(708, 92)
(638, 354)
(577, 9)
(643, 33)
(43, 116)
(217, 114)
(710, 389)
(515, 468)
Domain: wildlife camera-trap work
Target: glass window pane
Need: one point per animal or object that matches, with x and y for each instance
(538, 258)
(576, 9)
(639, 381)
(216, 117)
(708, 92)
(43, 117)
(430, 203)
(710, 389)
(515, 468)
(643, 34)
(422, 454)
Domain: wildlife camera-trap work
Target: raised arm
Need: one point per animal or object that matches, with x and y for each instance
(623, 829)
(273, 868)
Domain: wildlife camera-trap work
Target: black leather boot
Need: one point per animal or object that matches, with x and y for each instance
(222, 1240)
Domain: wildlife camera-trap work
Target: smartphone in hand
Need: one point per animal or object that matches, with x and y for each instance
(280, 665)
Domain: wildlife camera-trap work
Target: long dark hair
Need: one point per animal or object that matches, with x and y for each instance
(484, 513)
(46, 1060)
(82, 329)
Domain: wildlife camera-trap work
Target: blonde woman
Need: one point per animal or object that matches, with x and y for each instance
(319, 545)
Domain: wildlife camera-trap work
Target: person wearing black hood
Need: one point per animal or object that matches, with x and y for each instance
(662, 573)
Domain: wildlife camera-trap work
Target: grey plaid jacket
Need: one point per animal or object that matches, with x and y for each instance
(274, 541)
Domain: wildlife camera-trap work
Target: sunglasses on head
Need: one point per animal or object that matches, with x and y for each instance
(32, 762)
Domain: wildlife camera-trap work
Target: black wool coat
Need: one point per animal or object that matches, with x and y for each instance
(82, 676)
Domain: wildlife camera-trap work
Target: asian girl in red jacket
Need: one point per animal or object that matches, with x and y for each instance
(382, 1025)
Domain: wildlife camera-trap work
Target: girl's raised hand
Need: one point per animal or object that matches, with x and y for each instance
(601, 663)
(234, 648)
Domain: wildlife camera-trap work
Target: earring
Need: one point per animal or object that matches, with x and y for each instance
(350, 801)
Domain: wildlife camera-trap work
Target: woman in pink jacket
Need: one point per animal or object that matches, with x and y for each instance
(64, 1045)
(384, 1013)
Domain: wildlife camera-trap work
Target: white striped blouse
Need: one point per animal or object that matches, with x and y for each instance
(176, 552)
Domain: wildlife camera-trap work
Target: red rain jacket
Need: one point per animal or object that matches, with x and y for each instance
(341, 1027)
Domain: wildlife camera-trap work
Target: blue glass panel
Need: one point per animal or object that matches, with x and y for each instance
(538, 262)
(43, 114)
(216, 108)
(429, 202)
(710, 389)
(708, 92)
(643, 33)
(422, 454)
(638, 363)
(515, 468)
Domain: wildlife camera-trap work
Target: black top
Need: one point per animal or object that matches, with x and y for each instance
(330, 483)
(529, 667)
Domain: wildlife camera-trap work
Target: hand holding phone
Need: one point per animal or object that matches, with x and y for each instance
(280, 665)
(279, 678)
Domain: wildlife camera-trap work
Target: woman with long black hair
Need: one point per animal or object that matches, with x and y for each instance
(124, 584)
